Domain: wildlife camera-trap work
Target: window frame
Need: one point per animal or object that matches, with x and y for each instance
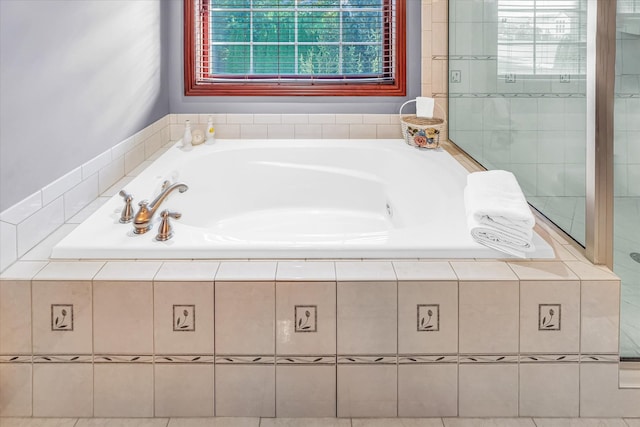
(313, 87)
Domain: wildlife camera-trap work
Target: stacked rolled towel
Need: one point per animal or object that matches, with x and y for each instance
(498, 215)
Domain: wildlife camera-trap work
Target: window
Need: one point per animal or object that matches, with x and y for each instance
(295, 47)
(542, 37)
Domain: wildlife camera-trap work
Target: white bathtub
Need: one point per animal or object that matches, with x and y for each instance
(294, 199)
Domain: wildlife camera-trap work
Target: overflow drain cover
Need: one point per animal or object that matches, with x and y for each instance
(635, 256)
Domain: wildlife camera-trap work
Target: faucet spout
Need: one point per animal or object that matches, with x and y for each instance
(144, 216)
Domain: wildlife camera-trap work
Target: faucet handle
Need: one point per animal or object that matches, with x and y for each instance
(165, 231)
(127, 212)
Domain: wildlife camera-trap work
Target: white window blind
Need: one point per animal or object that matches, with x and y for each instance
(542, 37)
(295, 40)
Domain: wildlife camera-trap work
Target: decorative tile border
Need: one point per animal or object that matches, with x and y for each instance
(555, 358)
(422, 359)
(16, 358)
(184, 318)
(549, 317)
(306, 360)
(428, 317)
(306, 318)
(120, 358)
(599, 358)
(245, 360)
(489, 358)
(63, 358)
(62, 317)
(184, 358)
(367, 360)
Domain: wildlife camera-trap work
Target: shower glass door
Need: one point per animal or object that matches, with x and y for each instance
(626, 243)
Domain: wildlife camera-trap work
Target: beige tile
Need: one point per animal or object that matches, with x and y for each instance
(62, 390)
(187, 271)
(297, 333)
(388, 131)
(488, 390)
(23, 270)
(363, 131)
(419, 332)
(351, 271)
(333, 131)
(292, 271)
(122, 422)
(295, 118)
(422, 271)
(215, 422)
(483, 271)
(123, 390)
(240, 118)
(367, 391)
(245, 271)
(632, 422)
(549, 389)
(245, 391)
(600, 395)
(429, 390)
(306, 391)
(397, 422)
(579, 422)
(306, 131)
(176, 333)
(367, 318)
(245, 316)
(128, 270)
(322, 118)
(600, 321)
(62, 317)
(588, 271)
(72, 270)
(488, 422)
(280, 131)
(540, 270)
(305, 422)
(183, 390)
(489, 317)
(550, 317)
(15, 393)
(15, 317)
(349, 118)
(122, 317)
(38, 422)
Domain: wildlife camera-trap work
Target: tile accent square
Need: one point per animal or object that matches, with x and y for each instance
(123, 390)
(367, 391)
(306, 318)
(62, 390)
(184, 318)
(183, 390)
(62, 317)
(15, 393)
(549, 317)
(245, 391)
(429, 390)
(306, 391)
(428, 317)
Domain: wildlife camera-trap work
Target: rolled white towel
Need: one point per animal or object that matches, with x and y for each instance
(497, 212)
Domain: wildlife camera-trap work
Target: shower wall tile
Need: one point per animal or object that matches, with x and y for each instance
(600, 316)
(122, 317)
(95, 164)
(322, 118)
(245, 391)
(226, 131)
(367, 318)
(15, 317)
(23, 209)
(429, 390)
(367, 391)
(8, 245)
(244, 313)
(488, 390)
(123, 147)
(39, 225)
(133, 158)
(15, 393)
(295, 118)
(62, 390)
(278, 131)
(61, 185)
(184, 390)
(80, 196)
(123, 390)
(110, 174)
(336, 131)
(175, 332)
(306, 131)
(62, 317)
(549, 390)
(306, 391)
(252, 131)
(364, 131)
(298, 333)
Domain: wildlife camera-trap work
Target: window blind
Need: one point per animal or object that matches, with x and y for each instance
(542, 37)
(299, 41)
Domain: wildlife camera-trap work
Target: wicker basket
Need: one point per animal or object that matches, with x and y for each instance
(422, 132)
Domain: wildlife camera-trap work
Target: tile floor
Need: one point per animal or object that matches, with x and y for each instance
(319, 422)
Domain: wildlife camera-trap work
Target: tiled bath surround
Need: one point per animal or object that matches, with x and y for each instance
(310, 339)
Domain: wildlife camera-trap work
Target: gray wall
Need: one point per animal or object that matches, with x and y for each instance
(284, 105)
(76, 78)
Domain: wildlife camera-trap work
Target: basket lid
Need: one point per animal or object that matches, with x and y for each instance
(421, 121)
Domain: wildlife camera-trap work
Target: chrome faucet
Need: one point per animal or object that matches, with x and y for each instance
(144, 216)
